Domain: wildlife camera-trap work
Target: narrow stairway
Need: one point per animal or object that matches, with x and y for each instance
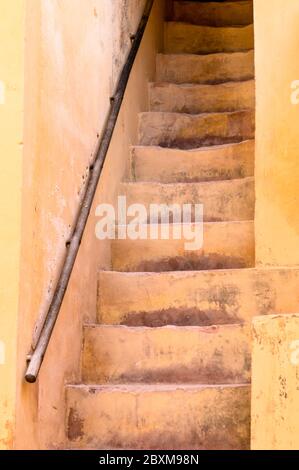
(168, 364)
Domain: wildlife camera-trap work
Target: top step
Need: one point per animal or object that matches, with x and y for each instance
(183, 38)
(214, 13)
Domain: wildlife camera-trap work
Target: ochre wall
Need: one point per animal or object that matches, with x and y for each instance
(11, 135)
(74, 51)
(274, 376)
(275, 393)
(277, 132)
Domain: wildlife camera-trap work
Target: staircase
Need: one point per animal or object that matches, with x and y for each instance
(168, 364)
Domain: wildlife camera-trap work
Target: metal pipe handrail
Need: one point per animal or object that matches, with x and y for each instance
(36, 357)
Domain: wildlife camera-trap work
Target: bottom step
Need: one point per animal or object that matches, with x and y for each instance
(159, 417)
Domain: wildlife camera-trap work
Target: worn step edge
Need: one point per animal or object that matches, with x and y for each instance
(209, 193)
(195, 150)
(216, 298)
(216, 354)
(214, 163)
(214, 13)
(140, 387)
(195, 98)
(189, 131)
(159, 417)
(204, 183)
(184, 37)
(225, 245)
(213, 68)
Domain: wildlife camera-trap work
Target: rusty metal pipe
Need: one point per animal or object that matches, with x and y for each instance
(36, 357)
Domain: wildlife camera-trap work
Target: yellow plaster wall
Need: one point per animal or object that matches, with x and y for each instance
(277, 132)
(275, 339)
(74, 50)
(275, 391)
(11, 137)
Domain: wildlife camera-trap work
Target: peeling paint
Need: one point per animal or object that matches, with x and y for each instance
(275, 414)
(6, 442)
(75, 426)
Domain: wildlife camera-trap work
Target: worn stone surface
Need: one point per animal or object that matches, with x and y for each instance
(221, 162)
(275, 391)
(202, 355)
(209, 68)
(170, 357)
(159, 417)
(196, 298)
(188, 131)
(214, 13)
(195, 99)
(222, 200)
(193, 39)
(225, 245)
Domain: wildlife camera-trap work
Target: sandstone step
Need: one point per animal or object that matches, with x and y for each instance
(225, 245)
(196, 298)
(202, 355)
(159, 417)
(221, 162)
(214, 13)
(228, 200)
(187, 131)
(210, 68)
(192, 39)
(196, 99)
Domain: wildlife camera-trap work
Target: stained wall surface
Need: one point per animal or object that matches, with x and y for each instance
(277, 132)
(275, 391)
(11, 148)
(74, 51)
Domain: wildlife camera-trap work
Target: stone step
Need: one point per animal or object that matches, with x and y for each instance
(196, 298)
(231, 161)
(228, 200)
(205, 69)
(214, 13)
(182, 38)
(196, 99)
(225, 245)
(187, 131)
(202, 355)
(170, 417)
